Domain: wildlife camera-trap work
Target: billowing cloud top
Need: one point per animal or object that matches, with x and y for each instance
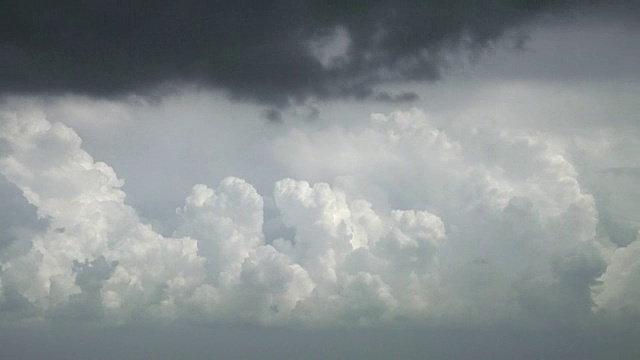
(274, 52)
(439, 226)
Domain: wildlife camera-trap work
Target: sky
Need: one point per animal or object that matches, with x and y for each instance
(319, 179)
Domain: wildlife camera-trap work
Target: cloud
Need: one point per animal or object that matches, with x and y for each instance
(94, 241)
(442, 225)
(514, 212)
(402, 97)
(276, 53)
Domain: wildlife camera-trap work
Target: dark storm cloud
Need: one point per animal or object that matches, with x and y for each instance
(255, 50)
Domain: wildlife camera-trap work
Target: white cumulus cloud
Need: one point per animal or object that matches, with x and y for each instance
(397, 221)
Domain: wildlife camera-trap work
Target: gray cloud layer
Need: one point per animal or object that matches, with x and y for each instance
(275, 52)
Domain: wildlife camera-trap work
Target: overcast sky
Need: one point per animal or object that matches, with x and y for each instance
(319, 179)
